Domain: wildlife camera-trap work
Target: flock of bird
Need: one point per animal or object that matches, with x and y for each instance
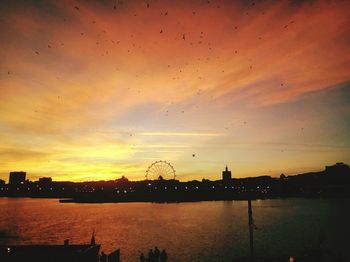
(183, 37)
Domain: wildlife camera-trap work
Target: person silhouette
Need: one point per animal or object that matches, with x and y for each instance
(150, 256)
(156, 254)
(163, 256)
(142, 257)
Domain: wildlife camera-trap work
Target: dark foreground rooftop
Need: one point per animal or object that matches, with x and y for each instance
(54, 253)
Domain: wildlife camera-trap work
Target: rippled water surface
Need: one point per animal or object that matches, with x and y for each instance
(200, 231)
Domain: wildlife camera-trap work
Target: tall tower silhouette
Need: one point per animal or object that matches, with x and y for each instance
(226, 175)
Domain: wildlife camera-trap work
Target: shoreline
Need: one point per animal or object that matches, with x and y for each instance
(101, 201)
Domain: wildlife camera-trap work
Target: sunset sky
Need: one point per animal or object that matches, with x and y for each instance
(93, 90)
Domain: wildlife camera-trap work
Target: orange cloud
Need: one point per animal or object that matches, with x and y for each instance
(96, 79)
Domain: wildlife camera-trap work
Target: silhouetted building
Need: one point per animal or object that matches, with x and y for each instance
(45, 180)
(17, 177)
(226, 175)
(334, 181)
(2, 182)
(339, 169)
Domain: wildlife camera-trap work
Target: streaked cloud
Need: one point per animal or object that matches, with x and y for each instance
(179, 134)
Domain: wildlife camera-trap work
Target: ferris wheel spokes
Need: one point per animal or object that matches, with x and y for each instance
(160, 169)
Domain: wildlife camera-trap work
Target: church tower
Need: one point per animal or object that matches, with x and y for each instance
(226, 175)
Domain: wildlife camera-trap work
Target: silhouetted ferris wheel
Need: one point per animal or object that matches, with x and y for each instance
(160, 169)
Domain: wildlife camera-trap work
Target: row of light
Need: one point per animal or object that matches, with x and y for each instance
(92, 190)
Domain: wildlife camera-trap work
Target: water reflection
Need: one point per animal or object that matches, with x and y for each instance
(201, 231)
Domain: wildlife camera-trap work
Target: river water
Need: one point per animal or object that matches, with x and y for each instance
(199, 231)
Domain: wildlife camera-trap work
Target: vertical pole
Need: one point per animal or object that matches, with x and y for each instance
(250, 223)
